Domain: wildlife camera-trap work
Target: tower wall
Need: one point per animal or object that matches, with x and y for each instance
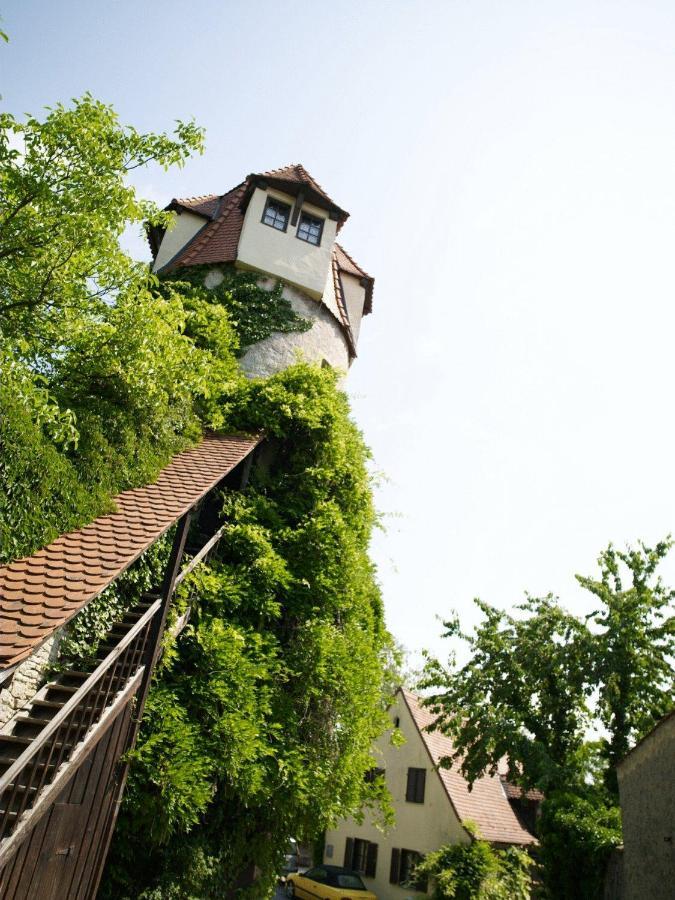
(324, 341)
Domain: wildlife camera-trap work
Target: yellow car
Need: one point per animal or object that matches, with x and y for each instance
(327, 883)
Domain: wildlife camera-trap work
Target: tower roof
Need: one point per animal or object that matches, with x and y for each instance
(217, 241)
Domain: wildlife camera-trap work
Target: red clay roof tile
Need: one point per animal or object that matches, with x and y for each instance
(42, 592)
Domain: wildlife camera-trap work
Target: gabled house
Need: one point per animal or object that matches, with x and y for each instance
(430, 805)
(283, 225)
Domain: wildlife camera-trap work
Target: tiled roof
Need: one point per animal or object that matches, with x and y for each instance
(347, 264)
(298, 174)
(342, 305)
(40, 593)
(486, 803)
(218, 241)
(206, 205)
(515, 792)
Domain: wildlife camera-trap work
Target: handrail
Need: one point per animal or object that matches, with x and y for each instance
(198, 557)
(70, 705)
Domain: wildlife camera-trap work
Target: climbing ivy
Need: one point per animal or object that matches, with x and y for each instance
(255, 312)
(86, 631)
(261, 722)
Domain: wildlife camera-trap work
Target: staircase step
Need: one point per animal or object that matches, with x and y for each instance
(29, 726)
(60, 692)
(7, 761)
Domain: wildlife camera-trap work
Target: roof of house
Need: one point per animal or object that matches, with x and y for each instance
(486, 803)
(40, 593)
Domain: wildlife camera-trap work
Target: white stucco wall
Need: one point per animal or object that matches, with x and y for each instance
(355, 297)
(27, 679)
(281, 253)
(419, 826)
(186, 225)
(323, 341)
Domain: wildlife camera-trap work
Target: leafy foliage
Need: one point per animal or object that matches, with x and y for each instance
(262, 720)
(100, 380)
(255, 312)
(477, 871)
(65, 205)
(577, 835)
(634, 645)
(534, 686)
(526, 691)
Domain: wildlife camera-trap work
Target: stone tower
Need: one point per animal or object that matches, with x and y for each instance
(283, 225)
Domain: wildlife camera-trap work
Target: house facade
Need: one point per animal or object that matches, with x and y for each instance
(647, 797)
(430, 806)
(283, 225)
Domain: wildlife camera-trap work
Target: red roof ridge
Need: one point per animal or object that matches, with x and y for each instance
(197, 199)
(42, 592)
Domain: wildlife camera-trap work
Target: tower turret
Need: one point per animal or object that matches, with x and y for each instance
(283, 225)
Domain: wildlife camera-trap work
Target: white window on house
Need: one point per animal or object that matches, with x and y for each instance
(402, 869)
(414, 792)
(310, 229)
(277, 214)
(361, 856)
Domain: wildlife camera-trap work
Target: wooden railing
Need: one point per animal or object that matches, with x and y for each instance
(40, 762)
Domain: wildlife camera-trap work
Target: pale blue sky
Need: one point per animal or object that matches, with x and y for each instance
(510, 171)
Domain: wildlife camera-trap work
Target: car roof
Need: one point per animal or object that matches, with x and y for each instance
(336, 869)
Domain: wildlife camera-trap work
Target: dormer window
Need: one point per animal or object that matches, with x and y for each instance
(276, 214)
(310, 229)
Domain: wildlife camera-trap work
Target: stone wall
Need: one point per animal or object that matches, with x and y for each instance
(647, 794)
(27, 679)
(323, 342)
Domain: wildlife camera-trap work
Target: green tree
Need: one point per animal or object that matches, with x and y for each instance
(633, 646)
(536, 685)
(102, 376)
(526, 691)
(65, 203)
(522, 695)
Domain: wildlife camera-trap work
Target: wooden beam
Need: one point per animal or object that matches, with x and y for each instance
(297, 206)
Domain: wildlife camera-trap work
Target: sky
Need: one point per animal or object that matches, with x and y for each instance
(510, 173)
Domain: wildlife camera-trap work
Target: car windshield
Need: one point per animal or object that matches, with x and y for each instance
(351, 882)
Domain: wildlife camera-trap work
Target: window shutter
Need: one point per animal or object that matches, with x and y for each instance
(394, 871)
(421, 782)
(349, 853)
(410, 786)
(371, 861)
